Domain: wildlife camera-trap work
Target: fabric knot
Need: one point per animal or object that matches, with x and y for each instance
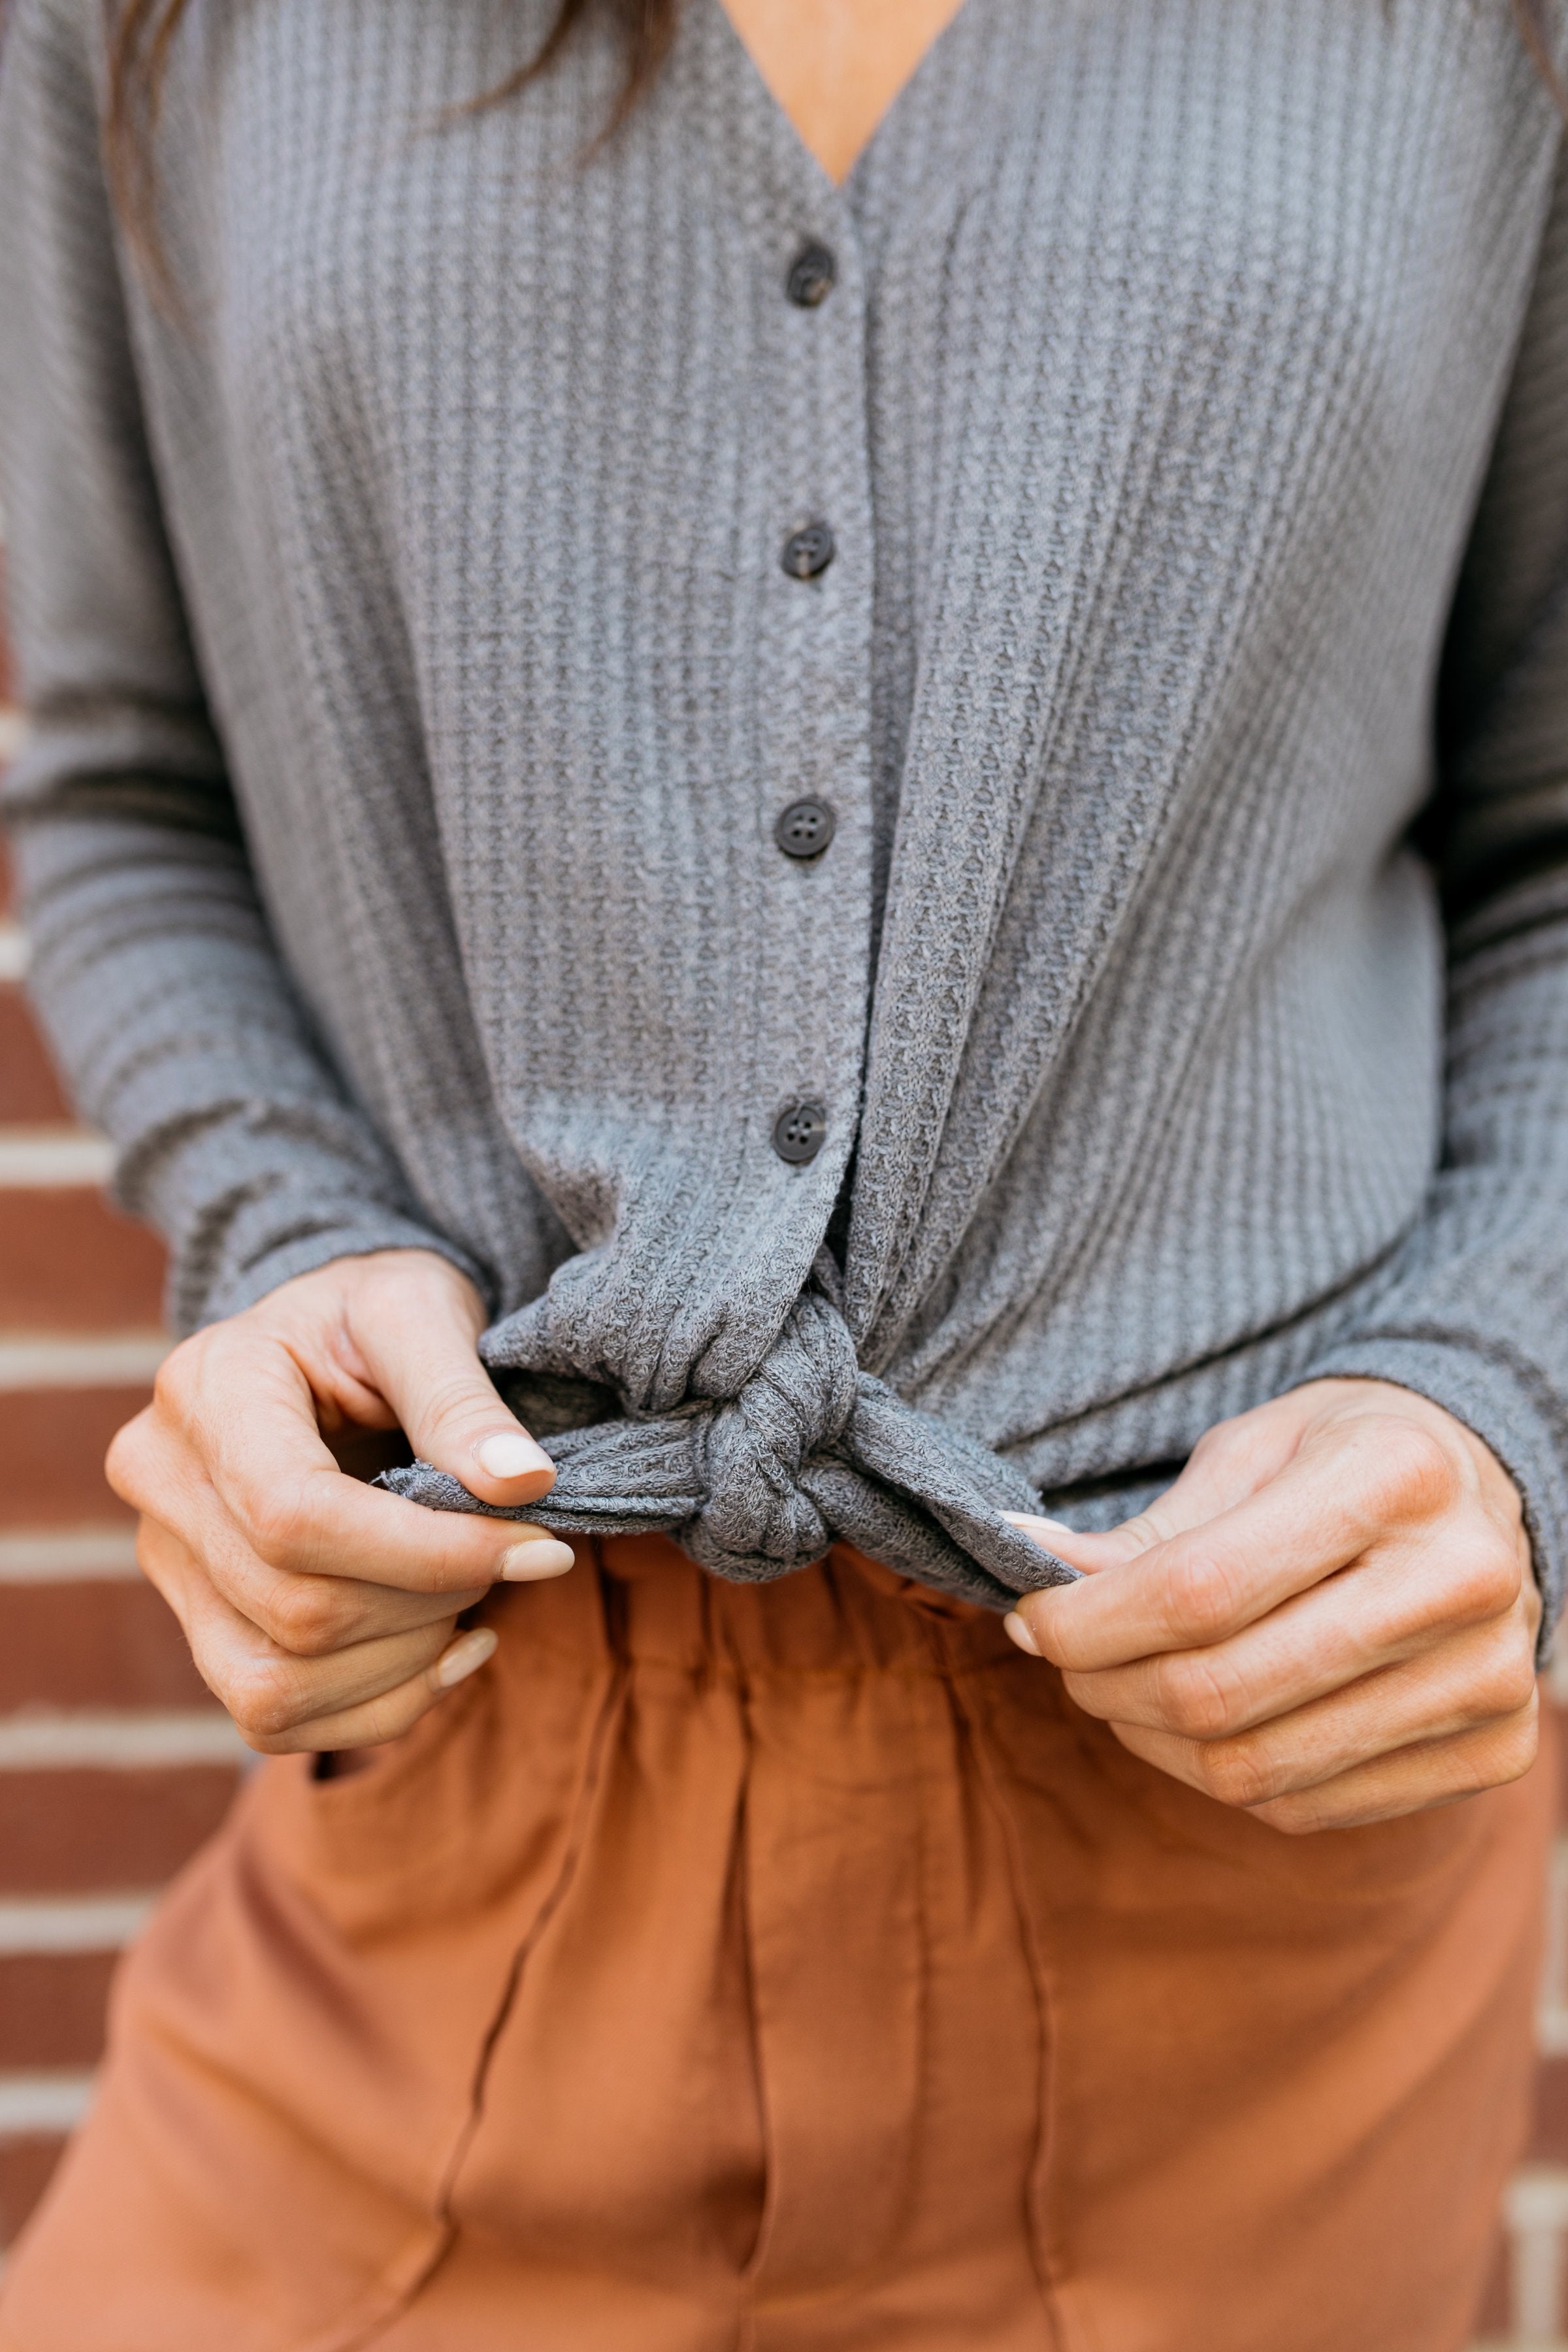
(751, 1450)
(810, 1449)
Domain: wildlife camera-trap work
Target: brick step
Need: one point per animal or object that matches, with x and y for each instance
(52, 1444)
(80, 1360)
(78, 1830)
(97, 1644)
(95, 1552)
(55, 1154)
(30, 1088)
(69, 1263)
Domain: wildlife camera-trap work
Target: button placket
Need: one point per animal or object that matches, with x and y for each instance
(815, 683)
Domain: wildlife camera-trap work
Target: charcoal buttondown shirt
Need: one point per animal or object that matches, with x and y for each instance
(1133, 514)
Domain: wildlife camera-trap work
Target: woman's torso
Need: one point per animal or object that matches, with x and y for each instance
(1147, 411)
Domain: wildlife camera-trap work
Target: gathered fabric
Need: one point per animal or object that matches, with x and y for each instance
(811, 1452)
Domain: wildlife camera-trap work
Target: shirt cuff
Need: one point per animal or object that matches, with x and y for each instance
(302, 1254)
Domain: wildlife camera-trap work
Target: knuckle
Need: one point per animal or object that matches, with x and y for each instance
(1070, 1647)
(1509, 1687)
(1484, 1578)
(281, 1527)
(262, 1696)
(1236, 1774)
(1295, 1817)
(1411, 1470)
(1200, 1595)
(1518, 1746)
(451, 1406)
(1216, 1439)
(308, 1618)
(175, 1381)
(126, 1463)
(1497, 1572)
(263, 1743)
(1232, 1440)
(1198, 1694)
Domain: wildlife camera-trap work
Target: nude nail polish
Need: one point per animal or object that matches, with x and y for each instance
(469, 1652)
(510, 1453)
(1018, 1629)
(542, 1556)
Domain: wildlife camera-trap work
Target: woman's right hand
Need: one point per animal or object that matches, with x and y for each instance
(320, 1610)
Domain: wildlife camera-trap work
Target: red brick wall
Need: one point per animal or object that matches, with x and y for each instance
(115, 1763)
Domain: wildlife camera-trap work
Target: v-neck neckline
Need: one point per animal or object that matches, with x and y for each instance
(840, 191)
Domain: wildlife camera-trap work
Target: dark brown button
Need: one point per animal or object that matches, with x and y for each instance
(804, 828)
(813, 275)
(800, 1132)
(806, 552)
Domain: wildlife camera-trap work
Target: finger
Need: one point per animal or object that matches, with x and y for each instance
(275, 1698)
(304, 1611)
(1414, 1780)
(1401, 1603)
(1483, 1676)
(1533, 1598)
(1337, 1496)
(308, 1615)
(241, 1415)
(395, 1711)
(1230, 1463)
(271, 1693)
(446, 1401)
(168, 1566)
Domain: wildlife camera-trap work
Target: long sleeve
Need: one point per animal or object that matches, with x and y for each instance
(1476, 1315)
(154, 968)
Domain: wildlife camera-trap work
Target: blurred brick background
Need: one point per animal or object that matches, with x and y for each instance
(114, 1761)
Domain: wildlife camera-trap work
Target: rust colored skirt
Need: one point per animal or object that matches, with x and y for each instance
(794, 1970)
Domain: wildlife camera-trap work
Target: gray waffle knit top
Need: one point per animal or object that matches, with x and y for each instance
(1180, 1008)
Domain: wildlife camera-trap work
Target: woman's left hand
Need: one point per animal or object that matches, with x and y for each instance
(1329, 1619)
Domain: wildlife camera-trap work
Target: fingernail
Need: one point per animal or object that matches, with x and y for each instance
(468, 1651)
(542, 1556)
(1032, 1524)
(1018, 1629)
(511, 1454)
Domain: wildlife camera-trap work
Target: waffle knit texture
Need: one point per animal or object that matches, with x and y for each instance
(414, 683)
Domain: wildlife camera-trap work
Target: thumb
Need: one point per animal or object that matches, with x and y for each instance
(1229, 1463)
(1090, 1553)
(1195, 1497)
(422, 1350)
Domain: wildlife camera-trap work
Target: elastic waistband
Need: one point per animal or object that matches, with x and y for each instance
(641, 1598)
